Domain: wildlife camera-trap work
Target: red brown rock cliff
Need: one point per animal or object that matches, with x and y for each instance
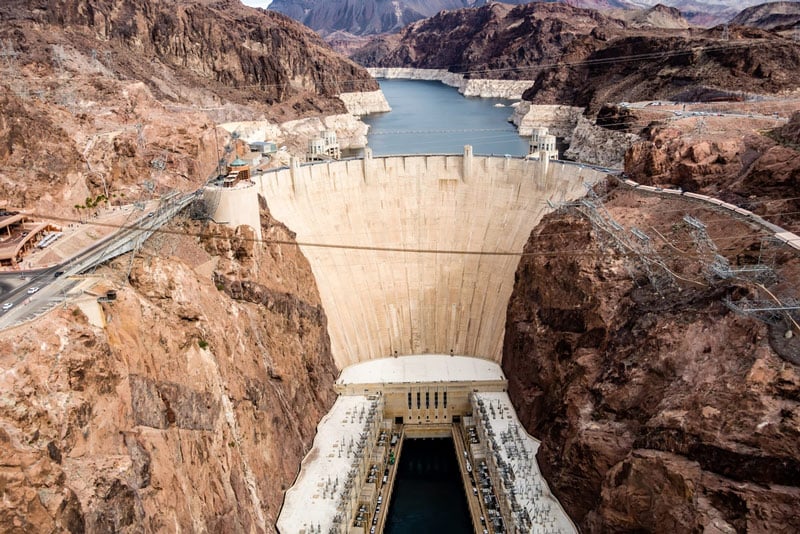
(190, 410)
(656, 414)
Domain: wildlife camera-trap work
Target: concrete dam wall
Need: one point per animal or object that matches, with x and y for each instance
(434, 243)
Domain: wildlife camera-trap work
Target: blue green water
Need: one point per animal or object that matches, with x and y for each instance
(428, 494)
(433, 118)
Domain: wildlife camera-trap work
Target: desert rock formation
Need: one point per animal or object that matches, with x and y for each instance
(758, 171)
(656, 413)
(770, 16)
(190, 410)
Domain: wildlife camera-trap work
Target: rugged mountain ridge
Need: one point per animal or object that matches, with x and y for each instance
(378, 16)
(770, 16)
(659, 16)
(247, 54)
(581, 57)
(359, 17)
(704, 13)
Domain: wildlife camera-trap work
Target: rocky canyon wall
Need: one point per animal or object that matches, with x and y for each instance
(658, 411)
(190, 411)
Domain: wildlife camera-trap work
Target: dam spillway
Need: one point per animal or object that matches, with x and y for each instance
(417, 254)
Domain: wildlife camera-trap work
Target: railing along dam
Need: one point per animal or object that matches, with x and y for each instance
(434, 245)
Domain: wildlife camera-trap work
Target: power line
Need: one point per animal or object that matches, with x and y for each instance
(372, 248)
(535, 68)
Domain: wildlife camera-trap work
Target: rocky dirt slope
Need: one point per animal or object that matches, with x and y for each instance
(657, 412)
(99, 96)
(190, 410)
(758, 170)
(770, 16)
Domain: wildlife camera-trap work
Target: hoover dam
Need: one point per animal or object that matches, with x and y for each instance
(417, 254)
(415, 258)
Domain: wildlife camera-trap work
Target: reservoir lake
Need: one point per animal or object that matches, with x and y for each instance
(429, 117)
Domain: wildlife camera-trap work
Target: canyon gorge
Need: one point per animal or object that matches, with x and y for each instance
(191, 404)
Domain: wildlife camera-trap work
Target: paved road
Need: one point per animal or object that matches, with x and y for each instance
(54, 282)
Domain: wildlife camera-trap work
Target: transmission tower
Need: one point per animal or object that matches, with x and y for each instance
(775, 312)
(635, 248)
(658, 274)
(9, 57)
(761, 272)
(767, 311)
(140, 140)
(700, 126)
(718, 266)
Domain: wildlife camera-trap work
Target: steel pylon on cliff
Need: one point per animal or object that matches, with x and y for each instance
(634, 246)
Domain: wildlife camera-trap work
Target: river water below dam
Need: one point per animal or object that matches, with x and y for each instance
(432, 118)
(428, 495)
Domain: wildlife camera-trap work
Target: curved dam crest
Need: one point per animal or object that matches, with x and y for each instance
(428, 297)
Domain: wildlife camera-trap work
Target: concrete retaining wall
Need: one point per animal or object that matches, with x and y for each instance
(234, 206)
(410, 299)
